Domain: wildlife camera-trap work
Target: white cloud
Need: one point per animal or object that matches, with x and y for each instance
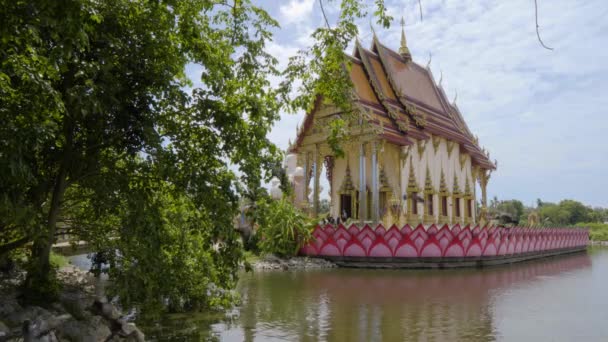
(297, 10)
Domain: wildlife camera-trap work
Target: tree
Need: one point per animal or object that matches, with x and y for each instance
(324, 206)
(566, 212)
(99, 133)
(509, 211)
(539, 203)
(322, 71)
(574, 211)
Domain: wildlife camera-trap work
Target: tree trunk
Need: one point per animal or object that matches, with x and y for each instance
(39, 283)
(41, 249)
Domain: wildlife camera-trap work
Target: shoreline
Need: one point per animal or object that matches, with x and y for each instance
(598, 243)
(81, 313)
(271, 262)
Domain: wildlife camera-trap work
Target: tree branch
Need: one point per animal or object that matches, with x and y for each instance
(324, 16)
(537, 32)
(13, 245)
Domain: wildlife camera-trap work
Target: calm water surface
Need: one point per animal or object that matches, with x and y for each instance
(559, 299)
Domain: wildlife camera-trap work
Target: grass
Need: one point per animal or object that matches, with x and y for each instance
(58, 260)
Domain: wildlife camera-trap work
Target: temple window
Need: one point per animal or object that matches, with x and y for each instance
(414, 203)
(429, 191)
(443, 198)
(444, 205)
(346, 205)
(456, 196)
(429, 204)
(348, 197)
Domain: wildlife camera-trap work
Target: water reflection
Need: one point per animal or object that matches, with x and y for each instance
(390, 305)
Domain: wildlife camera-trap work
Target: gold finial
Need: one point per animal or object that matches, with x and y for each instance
(403, 50)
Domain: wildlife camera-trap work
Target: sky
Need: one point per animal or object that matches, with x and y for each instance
(541, 114)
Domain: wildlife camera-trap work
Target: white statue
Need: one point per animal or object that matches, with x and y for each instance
(275, 188)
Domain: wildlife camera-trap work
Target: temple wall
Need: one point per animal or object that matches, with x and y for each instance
(388, 158)
(433, 155)
(446, 247)
(437, 160)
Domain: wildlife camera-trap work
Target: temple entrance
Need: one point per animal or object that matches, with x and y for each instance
(346, 206)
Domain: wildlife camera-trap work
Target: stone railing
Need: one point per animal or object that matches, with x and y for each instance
(444, 243)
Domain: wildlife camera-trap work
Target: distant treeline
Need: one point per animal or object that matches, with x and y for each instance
(565, 213)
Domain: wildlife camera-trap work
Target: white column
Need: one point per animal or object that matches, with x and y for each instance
(306, 180)
(375, 187)
(362, 194)
(315, 171)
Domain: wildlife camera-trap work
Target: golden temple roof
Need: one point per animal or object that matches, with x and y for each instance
(405, 101)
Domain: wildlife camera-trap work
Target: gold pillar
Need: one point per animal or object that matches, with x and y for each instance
(484, 177)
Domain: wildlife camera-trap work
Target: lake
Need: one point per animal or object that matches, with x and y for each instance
(558, 299)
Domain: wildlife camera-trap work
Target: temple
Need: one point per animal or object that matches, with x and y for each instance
(409, 155)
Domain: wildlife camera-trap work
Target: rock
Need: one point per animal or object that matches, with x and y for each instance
(274, 263)
(136, 336)
(106, 310)
(102, 299)
(110, 312)
(9, 307)
(42, 329)
(272, 258)
(94, 329)
(4, 331)
(132, 333)
(127, 328)
(50, 337)
(75, 303)
(30, 313)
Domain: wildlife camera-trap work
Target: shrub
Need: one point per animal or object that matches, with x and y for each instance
(597, 231)
(282, 228)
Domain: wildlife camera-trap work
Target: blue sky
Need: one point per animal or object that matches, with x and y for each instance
(542, 114)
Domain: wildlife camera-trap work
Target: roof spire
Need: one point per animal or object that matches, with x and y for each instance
(403, 50)
(371, 26)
